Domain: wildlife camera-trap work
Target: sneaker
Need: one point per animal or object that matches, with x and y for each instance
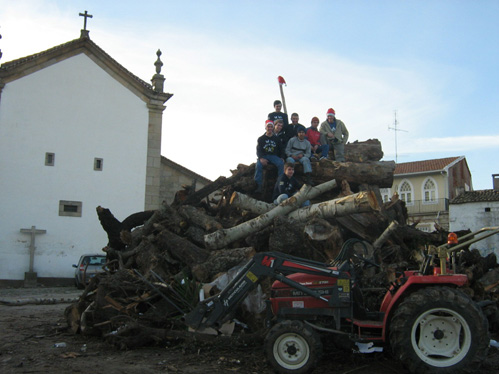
(313, 158)
(323, 158)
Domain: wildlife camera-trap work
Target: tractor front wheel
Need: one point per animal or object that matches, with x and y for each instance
(293, 347)
(439, 330)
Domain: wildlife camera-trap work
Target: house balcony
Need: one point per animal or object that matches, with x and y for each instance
(427, 207)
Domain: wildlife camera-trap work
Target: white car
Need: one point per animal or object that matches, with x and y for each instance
(87, 267)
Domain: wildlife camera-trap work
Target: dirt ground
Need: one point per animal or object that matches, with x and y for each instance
(29, 334)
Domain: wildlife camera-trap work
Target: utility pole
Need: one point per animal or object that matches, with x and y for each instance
(395, 128)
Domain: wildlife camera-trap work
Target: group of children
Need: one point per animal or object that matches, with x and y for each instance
(292, 142)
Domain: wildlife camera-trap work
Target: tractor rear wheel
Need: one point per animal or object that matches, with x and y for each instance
(293, 347)
(439, 329)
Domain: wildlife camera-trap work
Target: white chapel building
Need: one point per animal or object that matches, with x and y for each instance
(77, 131)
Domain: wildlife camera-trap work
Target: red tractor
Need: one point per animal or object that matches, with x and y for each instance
(429, 324)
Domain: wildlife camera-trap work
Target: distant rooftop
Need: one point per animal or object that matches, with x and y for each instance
(425, 166)
(476, 196)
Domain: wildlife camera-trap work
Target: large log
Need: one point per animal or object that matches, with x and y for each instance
(378, 173)
(221, 261)
(360, 202)
(113, 227)
(369, 150)
(221, 238)
(243, 201)
(199, 218)
(180, 248)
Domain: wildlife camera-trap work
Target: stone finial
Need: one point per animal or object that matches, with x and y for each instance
(158, 79)
(0, 49)
(158, 62)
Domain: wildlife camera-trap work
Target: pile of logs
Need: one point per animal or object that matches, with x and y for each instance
(159, 261)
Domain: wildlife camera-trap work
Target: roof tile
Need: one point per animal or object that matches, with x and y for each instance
(476, 196)
(422, 166)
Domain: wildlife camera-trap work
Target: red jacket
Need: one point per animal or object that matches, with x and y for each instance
(313, 136)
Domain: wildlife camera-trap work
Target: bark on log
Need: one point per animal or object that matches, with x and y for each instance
(221, 261)
(378, 173)
(360, 202)
(369, 150)
(221, 238)
(181, 249)
(368, 226)
(199, 218)
(386, 234)
(167, 217)
(243, 201)
(113, 227)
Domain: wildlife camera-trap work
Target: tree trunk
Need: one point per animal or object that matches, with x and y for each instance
(357, 203)
(369, 150)
(243, 201)
(199, 218)
(221, 238)
(378, 173)
(221, 261)
(180, 248)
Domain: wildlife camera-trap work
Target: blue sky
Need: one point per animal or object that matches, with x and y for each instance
(433, 62)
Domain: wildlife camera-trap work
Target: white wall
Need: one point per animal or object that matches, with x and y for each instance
(77, 111)
(474, 217)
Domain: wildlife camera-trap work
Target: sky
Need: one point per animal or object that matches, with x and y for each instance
(432, 62)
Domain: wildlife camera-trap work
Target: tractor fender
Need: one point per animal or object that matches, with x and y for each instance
(414, 281)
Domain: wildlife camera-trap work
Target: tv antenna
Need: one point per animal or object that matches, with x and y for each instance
(395, 128)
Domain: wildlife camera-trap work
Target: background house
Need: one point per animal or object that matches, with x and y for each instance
(474, 210)
(427, 186)
(77, 130)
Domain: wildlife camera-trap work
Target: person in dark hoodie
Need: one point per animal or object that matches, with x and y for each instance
(287, 185)
(292, 128)
(268, 149)
(279, 132)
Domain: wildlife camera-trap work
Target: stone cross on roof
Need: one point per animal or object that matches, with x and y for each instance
(84, 31)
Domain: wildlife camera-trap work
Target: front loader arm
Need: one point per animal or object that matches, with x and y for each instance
(216, 310)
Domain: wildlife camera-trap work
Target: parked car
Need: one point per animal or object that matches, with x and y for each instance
(87, 267)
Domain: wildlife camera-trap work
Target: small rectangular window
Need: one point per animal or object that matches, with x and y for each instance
(49, 159)
(98, 164)
(70, 208)
(487, 209)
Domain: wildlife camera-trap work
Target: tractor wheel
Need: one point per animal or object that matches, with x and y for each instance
(293, 347)
(439, 330)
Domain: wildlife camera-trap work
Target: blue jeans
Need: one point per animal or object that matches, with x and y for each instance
(277, 161)
(283, 197)
(305, 161)
(324, 149)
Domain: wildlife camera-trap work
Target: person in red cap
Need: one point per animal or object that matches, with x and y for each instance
(268, 149)
(336, 134)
